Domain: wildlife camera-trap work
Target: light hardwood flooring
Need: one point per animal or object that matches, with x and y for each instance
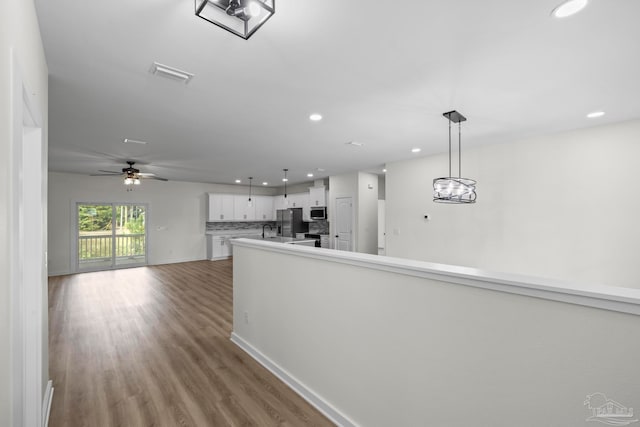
(150, 347)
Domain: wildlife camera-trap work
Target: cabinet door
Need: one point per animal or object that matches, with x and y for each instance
(220, 207)
(226, 247)
(217, 248)
(317, 196)
(241, 209)
(278, 203)
(298, 200)
(264, 208)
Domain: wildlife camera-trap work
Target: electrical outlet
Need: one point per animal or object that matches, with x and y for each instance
(246, 317)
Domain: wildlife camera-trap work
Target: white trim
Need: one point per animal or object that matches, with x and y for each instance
(46, 403)
(28, 251)
(624, 300)
(294, 384)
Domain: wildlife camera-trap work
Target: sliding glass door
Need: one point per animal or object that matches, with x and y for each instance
(111, 235)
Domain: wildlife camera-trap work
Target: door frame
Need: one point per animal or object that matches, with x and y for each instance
(30, 401)
(75, 261)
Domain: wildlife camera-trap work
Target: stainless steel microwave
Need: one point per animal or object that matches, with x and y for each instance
(317, 213)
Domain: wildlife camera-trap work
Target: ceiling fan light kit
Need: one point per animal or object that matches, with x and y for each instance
(131, 175)
(454, 190)
(239, 17)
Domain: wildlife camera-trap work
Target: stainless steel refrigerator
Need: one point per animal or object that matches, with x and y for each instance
(289, 222)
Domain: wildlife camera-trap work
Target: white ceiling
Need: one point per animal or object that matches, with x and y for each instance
(381, 73)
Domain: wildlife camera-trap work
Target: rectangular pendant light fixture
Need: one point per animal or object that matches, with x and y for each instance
(240, 17)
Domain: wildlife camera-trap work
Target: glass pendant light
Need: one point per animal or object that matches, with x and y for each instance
(250, 202)
(455, 190)
(285, 179)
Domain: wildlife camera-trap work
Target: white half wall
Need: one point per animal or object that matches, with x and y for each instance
(176, 217)
(560, 206)
(387, 342)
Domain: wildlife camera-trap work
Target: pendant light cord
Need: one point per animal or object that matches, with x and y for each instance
(449, 117)
(459, 149)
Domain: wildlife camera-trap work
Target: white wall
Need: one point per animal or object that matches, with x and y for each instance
(367, 237)
(561, 206)
(389, 349)
(178, 208)
(18, 30)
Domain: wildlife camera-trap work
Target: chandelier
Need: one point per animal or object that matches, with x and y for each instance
(456, 190)
(240, 17)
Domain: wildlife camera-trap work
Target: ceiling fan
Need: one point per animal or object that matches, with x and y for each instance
(131, 175)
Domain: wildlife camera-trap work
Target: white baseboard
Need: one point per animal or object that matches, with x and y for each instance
(294, 384)
(46, 403)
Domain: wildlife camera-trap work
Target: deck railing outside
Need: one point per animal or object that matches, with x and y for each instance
(97, 247)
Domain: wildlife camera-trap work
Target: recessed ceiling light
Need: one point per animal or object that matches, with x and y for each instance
(416, 150)
(595, 114)
(285, 179)
(133, 141)
(319, 170)
(310, 175)
(171, 73)
(238, 181)
(315, 117)
(568, 8)
(265, 183)
(384, 170)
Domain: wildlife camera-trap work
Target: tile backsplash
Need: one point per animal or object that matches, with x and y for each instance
(315, 227)
(319, 227)
(250, 225)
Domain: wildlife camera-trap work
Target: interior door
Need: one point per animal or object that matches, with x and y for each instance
(344, 223)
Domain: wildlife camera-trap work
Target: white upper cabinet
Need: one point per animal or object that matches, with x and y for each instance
(265, 208)
(298, 200)
(242, 211)
(317, 196)
(220, 207)
(278, 203)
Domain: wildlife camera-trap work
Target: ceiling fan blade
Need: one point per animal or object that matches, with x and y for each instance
(113, 172)
(105, 174)
(154, 177)
(146, 175)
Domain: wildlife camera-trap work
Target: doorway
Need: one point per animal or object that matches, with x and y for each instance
(110, 235)
(30, 397)
(344, 224)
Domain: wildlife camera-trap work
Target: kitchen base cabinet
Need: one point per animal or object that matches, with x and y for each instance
(218, 247)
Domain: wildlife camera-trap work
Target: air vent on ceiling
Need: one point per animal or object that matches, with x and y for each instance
(171, 73)
(133, 141)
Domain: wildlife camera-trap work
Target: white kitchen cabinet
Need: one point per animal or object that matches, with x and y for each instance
(220, 207)
(218, 247)
(278, 203)
(264, 208)
(298, 200)
(241, 209)
(317, 196)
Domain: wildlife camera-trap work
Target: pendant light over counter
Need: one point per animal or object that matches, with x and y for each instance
(250, 202)
(455, 190)
(285, 179)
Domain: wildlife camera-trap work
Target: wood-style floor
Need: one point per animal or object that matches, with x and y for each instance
(150, 347)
